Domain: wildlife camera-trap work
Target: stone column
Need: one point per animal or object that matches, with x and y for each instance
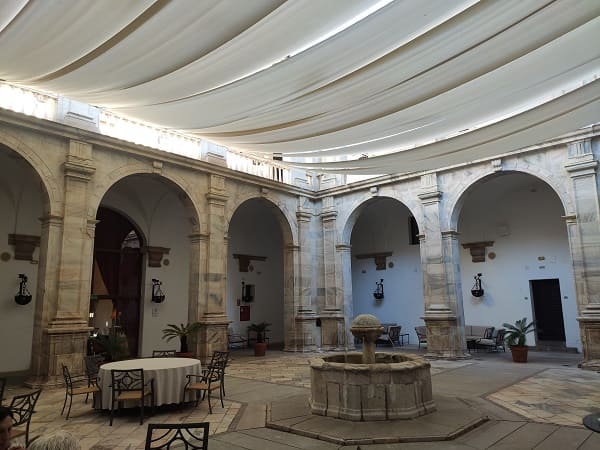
(306, 336)
(344, 290)
(332, 317)
(440, 262)
(584, 240)
(212, 309)
(62, 327)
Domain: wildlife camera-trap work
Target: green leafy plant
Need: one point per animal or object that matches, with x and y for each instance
(114, 345)
(260, 329)
(182, 332)
(516, 335)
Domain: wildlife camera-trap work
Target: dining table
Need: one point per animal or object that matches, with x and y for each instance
(169, 375)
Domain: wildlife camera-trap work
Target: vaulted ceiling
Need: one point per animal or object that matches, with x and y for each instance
(412, 84)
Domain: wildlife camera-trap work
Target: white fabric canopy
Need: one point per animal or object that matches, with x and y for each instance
(413, 84)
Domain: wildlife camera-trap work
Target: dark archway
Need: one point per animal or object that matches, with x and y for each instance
(117, 277)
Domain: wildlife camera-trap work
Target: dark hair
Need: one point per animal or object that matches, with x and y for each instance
(5, 412)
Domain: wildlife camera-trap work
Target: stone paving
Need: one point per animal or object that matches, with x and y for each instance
(541, 394)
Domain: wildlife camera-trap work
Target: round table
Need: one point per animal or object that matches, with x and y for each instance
(168, 374)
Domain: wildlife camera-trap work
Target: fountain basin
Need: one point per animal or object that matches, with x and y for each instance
(396, 386)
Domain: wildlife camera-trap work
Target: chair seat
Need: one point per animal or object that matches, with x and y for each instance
(204, 386)
(490, 342)
(132, 395)
(85, 390)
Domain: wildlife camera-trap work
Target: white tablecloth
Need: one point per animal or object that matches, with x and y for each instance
(168, 374)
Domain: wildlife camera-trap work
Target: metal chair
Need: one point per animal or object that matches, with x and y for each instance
(21, 408)
(184, 435)
(164, 353)
(421, 334)
(72, 389)
(129, 385)
(92, 364)
(205, 383)
(219, 359)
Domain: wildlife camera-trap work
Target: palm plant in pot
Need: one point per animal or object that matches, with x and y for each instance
(516, 336)
(182, 332)
(260, 346)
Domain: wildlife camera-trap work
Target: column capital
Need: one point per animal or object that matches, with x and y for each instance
(198, 237)
(343, 247)
(303, 216)
(450, 234)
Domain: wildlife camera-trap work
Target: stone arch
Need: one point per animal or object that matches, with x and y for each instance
(456, 198)
(353, 212)
(283, 215)
(191, 206)
(52, 191)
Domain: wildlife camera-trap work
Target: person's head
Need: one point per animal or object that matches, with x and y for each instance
(59, 440)
(6, 423)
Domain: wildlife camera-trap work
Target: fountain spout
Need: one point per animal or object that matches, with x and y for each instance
(367, 328)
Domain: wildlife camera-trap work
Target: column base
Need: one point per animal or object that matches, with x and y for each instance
(445, 339)
(60, 345)
(211, 336)
(589, 325)
(333, 331)
(306, 334)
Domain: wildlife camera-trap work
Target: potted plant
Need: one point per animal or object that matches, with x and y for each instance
(260, 346)
(182, 332)
(113, 345)
(516, 336)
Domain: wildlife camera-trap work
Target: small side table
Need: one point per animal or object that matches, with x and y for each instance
(402, 336)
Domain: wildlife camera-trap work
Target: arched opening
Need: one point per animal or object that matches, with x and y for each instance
(255, 269)
(115, 303)
(512, 232)
(143, 234)
(23, 201)
(386, 257)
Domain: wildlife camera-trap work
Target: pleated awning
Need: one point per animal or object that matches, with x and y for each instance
(411, 84)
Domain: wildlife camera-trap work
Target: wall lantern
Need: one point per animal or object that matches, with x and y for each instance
(23, 296)
(158, 295)
(378, 294)
(476, 290)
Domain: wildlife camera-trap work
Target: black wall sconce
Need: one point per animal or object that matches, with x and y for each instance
(378, 294)
(158, 295)
(23, 296)
(477, 291)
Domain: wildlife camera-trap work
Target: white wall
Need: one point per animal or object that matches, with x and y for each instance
(383, 226)
(522, 215)
(254, 230)
(21, 207)
(156, 209)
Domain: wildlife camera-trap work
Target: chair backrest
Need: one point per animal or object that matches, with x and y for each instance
(67, 377)
(219, 358)
(500, 336)
(488, 333)
(178, 435)
(127, 380)
(2, 386)
(164, 353)
(92, 363)
(22, 406)
(394, 332)
(421, 333)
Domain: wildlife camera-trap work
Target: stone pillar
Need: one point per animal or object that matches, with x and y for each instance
(306, 336)
(440, 265)
(61, 319)
(344, 289)
(213, 262)
(333, 334)
(584, 239)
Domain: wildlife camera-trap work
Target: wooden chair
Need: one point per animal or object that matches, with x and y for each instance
(205, 383)
(72, 389)
(164, 353)
(235, 340)
(184, 435)
(391, 336)
(21, 408)
(219, 359)
(494, 343)
(129, 385)
(421, 334)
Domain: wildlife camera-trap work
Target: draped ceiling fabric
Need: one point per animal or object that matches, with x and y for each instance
(413, 84)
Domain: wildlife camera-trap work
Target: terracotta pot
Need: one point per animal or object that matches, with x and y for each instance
(260, 348)
(519, 353)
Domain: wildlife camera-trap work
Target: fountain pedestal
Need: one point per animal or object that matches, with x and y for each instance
(390, 386)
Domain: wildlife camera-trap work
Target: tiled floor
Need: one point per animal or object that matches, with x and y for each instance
(542, 391)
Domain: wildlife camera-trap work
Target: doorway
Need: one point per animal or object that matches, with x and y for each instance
(117, 278)
(547, 312)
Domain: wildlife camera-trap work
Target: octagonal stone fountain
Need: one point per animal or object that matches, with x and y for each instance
(370, 386)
